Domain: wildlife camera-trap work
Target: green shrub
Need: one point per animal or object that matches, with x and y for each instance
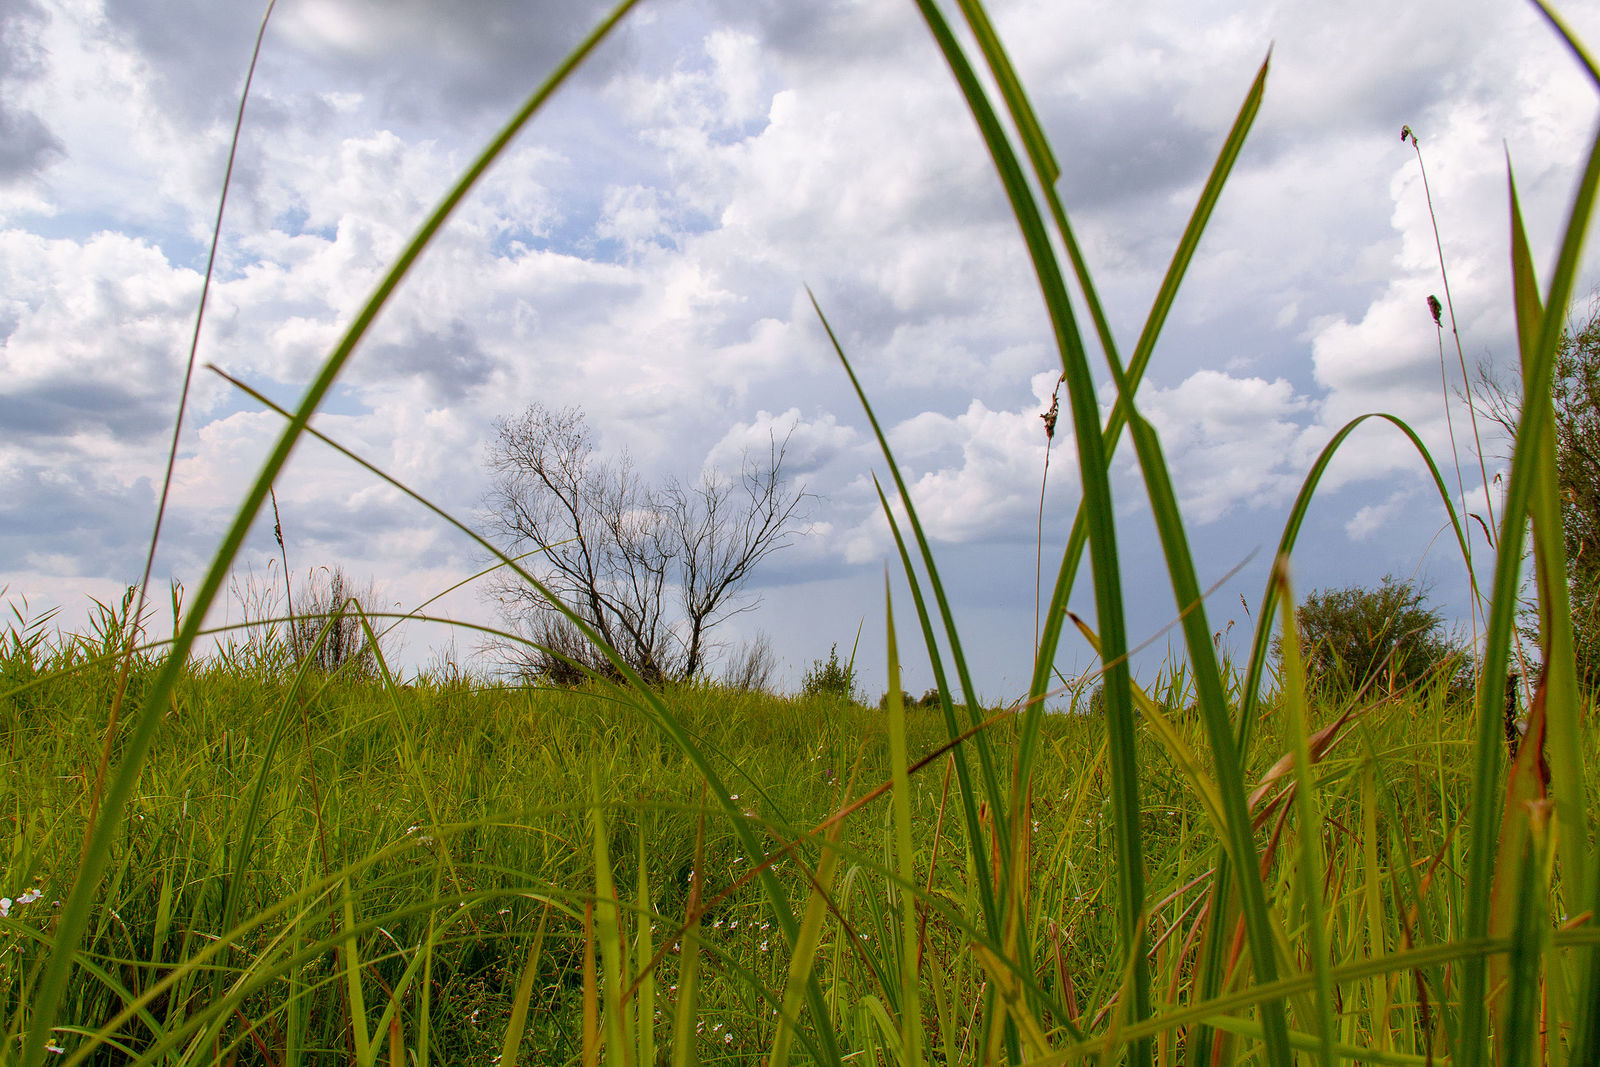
(1359, 637)
(830, 678)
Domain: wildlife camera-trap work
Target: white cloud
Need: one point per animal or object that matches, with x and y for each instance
(644, 247)
(1228, 441)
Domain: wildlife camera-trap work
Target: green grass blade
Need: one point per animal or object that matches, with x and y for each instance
(1095, 480)
(519, 1004)
(1539, 327)
(1563, 701)
(608, 931)
(1538, 362)
(911, 1036)
(244, 845)
(1212, 701)
(1212, 963)
(638, 693)
(991, 782)
(645, 998)
(1078, 538)
(350, 956)
(1308, 818)
(75, 912)
(803, 959)
(1571, 40)
(687, 1007)
(1262, 642)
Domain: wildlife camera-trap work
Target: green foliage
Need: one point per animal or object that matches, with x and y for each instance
(1576, 398)
(830, 677)
(1386, 638)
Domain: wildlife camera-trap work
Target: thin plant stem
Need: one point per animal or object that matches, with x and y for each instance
(1049, 419)
(1450, 307)
(115, 714)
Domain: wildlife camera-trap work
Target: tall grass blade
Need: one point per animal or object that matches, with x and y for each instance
(608, 931)
(1562, 699)
(1095, 480)
(519, 1004)
(1539, 331)
(350, 956)
(645, 996)
(803, 959)
(1212, 701)
(990, 777)
(1308, 818)
(687, 1007)
(911, 1036)
(1133, 374)
(1557, 697)
(75, 912)
(637, 692)
(1517, 900)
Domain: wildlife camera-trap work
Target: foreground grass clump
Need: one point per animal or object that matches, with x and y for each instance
(447, 824)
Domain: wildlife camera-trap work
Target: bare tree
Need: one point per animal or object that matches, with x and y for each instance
(653, 571)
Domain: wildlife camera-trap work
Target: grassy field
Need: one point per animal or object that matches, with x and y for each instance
(421, 837)
(232, 858)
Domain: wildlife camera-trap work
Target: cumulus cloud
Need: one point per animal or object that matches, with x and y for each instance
(1229, 442)
(27, 144)
(645, 250)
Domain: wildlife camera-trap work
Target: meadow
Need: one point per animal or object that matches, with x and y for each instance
(239, 858)
(434, 845)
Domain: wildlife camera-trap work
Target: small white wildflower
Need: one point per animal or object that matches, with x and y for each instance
(5, 907)
(57, 1049)
(763, 946)
(29, 897)
(727, 1038)
(735, 796)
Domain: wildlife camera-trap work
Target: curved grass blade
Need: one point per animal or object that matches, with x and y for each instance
(1212, 966)
(637, 690)
(75, 913)
(1261, 645)
(989, 773)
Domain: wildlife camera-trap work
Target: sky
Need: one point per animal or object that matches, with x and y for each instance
(644, 251)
